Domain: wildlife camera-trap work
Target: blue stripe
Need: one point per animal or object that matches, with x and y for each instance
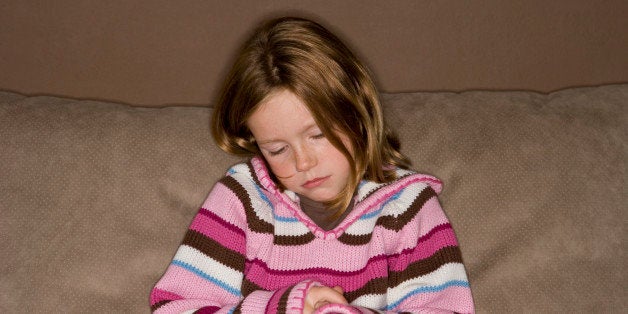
(371, 215)
(207, 277)
(270, 204)
(361, 184)
(277, 218)
(428, 289)
(263, 196)
(285, 219)
(379, 210)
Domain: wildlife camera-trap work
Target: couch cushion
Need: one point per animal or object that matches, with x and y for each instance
(535, 188)
(96, 196)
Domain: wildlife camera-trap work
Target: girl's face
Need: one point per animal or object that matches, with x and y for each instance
(296, 150)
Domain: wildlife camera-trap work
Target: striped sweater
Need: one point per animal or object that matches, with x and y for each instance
(250, 249)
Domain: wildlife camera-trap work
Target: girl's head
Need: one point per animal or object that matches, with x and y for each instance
(298, 63)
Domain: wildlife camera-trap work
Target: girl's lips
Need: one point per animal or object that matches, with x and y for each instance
(314, 182)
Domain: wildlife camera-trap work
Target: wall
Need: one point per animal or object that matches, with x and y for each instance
(163, 52)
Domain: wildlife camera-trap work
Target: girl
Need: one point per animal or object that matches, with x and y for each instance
(324, 217)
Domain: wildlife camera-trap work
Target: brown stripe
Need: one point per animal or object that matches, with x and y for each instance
(355, 240)
(159, 304)
(374, 286)
(213, 249)
(254, 222)
(282, 307)
(294, 240)
(390, 222)
(450, 254)
(396, 223)
(248, 287)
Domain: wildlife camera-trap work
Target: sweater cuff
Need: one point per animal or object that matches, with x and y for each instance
(290, 299)
(296, 297)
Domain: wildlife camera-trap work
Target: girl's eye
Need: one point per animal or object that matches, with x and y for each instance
(277, 152)
(318, 136)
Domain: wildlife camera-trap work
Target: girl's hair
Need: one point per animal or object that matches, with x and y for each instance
(304, 58)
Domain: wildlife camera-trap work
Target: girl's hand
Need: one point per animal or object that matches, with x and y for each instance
(321, 295)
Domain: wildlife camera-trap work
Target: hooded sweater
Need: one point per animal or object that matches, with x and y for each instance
(251, 249)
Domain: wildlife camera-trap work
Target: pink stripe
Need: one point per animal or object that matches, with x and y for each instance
(353, 258)
(221, 221)
(220, 231)
(296, 298)
(442, 300)
(270, 279)
(440, 237)
(207, 310)
(183, 282)
(222, 200)
(158, 295)
(187, 305)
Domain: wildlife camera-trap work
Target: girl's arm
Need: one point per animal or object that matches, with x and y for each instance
(426, 274)
(207, 271)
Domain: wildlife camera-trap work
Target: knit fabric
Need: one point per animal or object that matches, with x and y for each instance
(251, 249)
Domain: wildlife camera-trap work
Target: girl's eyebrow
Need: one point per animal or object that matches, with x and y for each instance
(305, 129)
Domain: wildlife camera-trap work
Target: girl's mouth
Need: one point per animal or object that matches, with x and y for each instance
(315, 182)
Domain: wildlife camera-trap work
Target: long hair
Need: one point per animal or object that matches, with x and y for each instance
(306, 59)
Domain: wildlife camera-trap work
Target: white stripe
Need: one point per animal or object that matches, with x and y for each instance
(362, 226)
(261, 208)
(208, 265)
(373, 301)
(393, 208)
(367, 188)
(290, 228)
(404, 200)
(445, 273)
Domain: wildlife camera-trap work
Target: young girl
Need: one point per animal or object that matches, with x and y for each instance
(324, 217)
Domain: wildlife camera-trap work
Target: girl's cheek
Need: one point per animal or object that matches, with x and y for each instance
(281, 167)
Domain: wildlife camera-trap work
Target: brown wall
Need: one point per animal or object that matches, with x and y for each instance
(160, 52)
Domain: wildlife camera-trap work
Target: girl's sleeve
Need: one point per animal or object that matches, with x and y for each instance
(426, 273)
(207, 271)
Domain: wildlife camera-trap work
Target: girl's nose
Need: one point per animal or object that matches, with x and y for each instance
(305, 160)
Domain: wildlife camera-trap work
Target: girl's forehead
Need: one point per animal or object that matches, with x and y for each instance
(279, 116)
(282, 104)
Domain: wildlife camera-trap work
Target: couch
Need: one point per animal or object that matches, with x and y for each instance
(95, 196)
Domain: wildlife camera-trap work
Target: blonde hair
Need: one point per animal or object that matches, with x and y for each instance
(306, 59)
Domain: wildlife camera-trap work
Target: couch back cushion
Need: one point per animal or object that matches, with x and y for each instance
(96, 196)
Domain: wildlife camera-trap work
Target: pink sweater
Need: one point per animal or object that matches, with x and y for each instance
(251, 249)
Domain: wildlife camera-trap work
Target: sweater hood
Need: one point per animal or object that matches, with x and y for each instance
(369, 195)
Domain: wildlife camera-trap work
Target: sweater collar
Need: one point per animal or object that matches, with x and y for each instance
(261, 173)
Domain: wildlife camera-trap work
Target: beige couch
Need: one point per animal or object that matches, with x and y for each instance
(95, 196)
